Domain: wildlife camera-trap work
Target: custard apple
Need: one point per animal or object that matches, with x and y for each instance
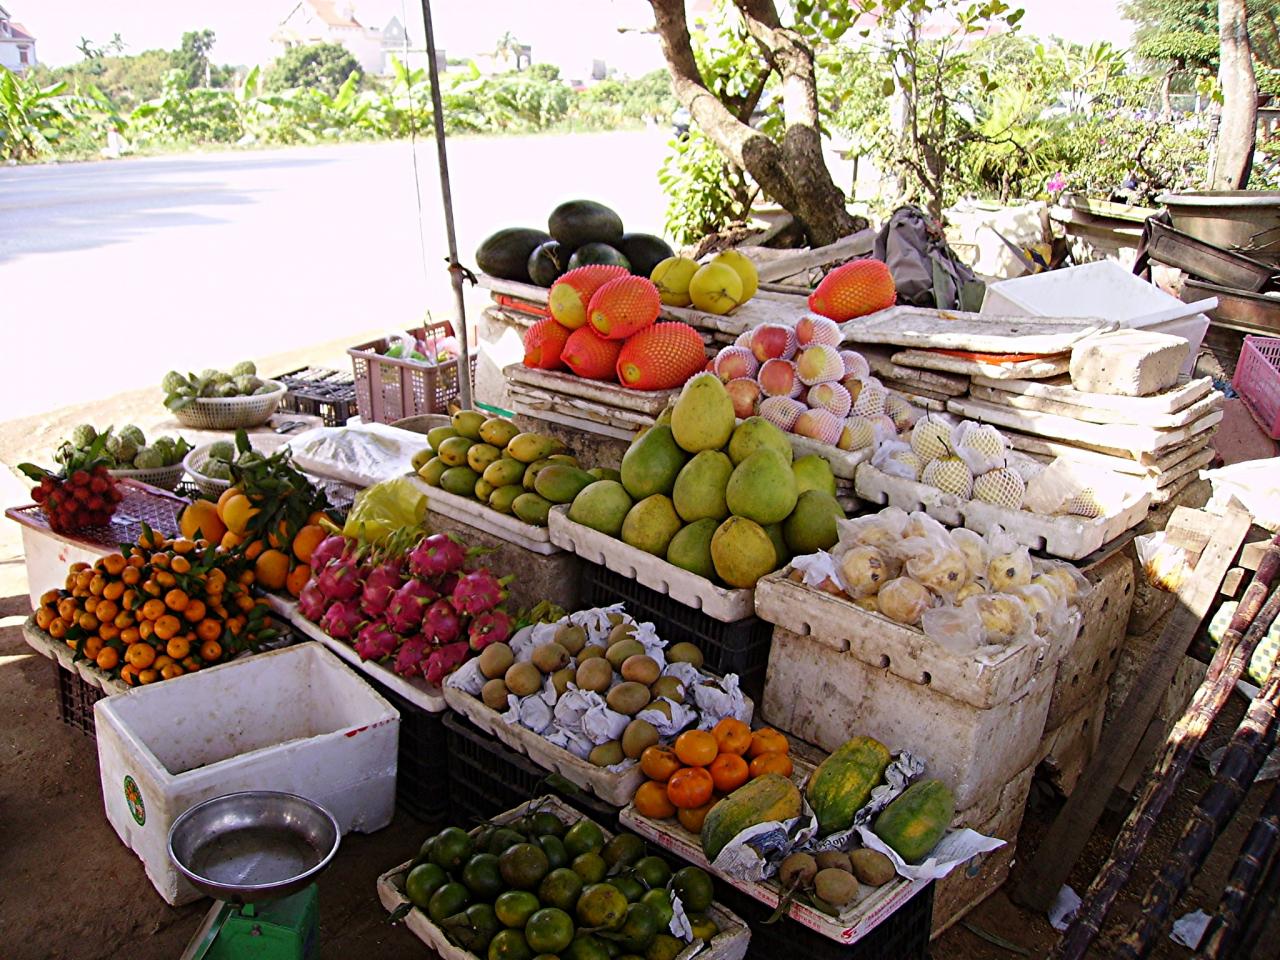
(148, 458)
(244, 368)
(131, 432)
(83, 436)
(173, 382)
(222, 450)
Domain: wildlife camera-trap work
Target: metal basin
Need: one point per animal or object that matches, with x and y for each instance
(1242, 221)
(255, 845)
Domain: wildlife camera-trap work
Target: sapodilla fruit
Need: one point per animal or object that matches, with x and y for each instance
(855, 364)
(854, 290)
(821, 425)
(830, 396)
(782, 412)
(870, 400)
(731, 363)
(930, 439)
(950, 475)
(773, 341)
(746, 396)
(570, 296)
(819, 363)
(623, 306)
(811, 329)
(1002, 487)
(856, 434)
(778, 379)
(590, 355)
(543, 344)
(661, 357)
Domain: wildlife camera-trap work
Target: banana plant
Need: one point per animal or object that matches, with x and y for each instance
(34, 117)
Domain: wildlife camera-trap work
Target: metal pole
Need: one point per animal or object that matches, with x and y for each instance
(446, 196)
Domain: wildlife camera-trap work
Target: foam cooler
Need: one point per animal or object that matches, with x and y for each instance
(295, 720)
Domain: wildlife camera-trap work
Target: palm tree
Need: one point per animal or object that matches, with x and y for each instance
(507, 48)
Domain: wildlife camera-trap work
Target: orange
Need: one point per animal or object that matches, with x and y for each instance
(160, 561)
(183, 545)
(90, 604)
(106, 611)
(131, 575)
(315, 519)
(297, 579)
(88, 622)
(227, 494)
(181, 564)
(148, 676)
(778, 763)
(124, 619)
(108, 658)
(306, 540)
(130, 635)
(171, 671)
(208, 630)
(254, 549)
(194, 612)
(766, 740)
(113, 590)
(92, 646)
(154, 609)
(168, 626)
(67, 609)
(58, 628)
(237, 512)
(108, 631)
(178, 647)
(140, 655)
(210, 651)
(176, 600)
(44, 617)
(162, 661)
(691, 818)
(659, 763)
(78, 566)
(97, 585)
(729, 771)
(113, 563)
(166, 579)
(201, 519)
(230, 540)
(152, 589)
(651, 801)
(272, 569)
(732, 736)
(191, 664)
(128, 675)
(145, 629)
(690, 787)
(696, 748)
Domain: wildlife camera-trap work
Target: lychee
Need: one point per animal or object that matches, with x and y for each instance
(778, 379)
(543, 344)
(782, 412)
(854, 290)
(623, 306)
(856, 434)
(771, 341)
(734, 362)
(870, 400)
(570, 296)
(661, 357)
(590, 355)
(746, 395)
(830, 396)
(821, 425)
(855, 364)
(950, 475)
(930, 438)
(819, 363)
(811, 329)
(1002, 487)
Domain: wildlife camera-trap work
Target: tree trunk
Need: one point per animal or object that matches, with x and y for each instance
(1166, 102)
(1233, 156)
(793, 173)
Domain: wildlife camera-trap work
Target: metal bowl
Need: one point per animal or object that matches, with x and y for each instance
(254, 845)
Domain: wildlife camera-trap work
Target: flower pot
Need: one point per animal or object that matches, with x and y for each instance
(1243, 221)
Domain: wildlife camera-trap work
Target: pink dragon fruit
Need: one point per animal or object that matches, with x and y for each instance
(376, 640)
(311, 601)
(341, 619)
(436, 555)
(478, 591)
(444, 660)
(328, 549)
(441, 622)
(380, 586)
(492, 626)
(408, 604)
(409, 657)
(340, 579)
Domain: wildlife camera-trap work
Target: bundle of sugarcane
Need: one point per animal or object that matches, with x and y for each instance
(1249, 746)
(1252, 620)
(1244, 891)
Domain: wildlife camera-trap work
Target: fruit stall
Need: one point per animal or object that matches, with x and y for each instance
(733, 622)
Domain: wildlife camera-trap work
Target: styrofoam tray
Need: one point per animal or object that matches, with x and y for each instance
(927, 328)
(416, 690)
(1097, 413)
(57, 650)
(694, 591)
(729, 944)
(844, 463)
(651, 402)
(1041, 367)
(476, 514)
(1063, 536)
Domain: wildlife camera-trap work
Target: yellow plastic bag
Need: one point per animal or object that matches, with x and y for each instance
(384, 508)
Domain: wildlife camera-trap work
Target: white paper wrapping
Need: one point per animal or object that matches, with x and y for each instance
(953, 849)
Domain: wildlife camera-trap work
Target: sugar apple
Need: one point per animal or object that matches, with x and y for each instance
(222, 450)
(208, 373)
(132, 433)
(246, 384)
(173, 381)
(228, 389)
(83, 436)
(126, 450)
(148, 458)
(218, 469)
(244, 368)
(221, 377)
(265, 388)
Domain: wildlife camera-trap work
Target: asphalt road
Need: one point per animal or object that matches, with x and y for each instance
(113, 272)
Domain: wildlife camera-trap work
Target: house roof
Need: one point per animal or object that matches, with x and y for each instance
(19, 32)
(329, 12)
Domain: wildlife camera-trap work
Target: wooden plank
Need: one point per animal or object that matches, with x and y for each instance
(927, 329)
(575, 423)
(1121, 461)
(1066, 838)
(1037, 404)
(880, 359)
(651, 402)
(792, 262)
(595, 412)
(1171, 401)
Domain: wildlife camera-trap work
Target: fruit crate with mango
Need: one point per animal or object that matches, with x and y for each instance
(497, 891)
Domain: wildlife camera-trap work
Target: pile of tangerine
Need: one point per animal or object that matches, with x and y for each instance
(688, 777)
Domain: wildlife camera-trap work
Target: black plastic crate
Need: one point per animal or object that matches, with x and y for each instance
(76, 698)
(487, 777)
(320, 392)
(422, 764)
(741, 647)
(903, 935)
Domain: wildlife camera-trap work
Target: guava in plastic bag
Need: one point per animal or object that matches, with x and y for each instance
(384, 508)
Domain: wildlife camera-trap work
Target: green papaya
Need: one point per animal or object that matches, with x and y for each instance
(914, 822)
(842, 783)
(768, 797)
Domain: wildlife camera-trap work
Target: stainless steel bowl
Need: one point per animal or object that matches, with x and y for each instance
(254, 845)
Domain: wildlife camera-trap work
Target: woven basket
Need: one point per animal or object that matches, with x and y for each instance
(231, 413)
(193, 461)
(166, 478)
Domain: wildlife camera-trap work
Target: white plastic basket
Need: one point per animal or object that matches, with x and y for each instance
(231, 413)
(167, 478)
(193, 462)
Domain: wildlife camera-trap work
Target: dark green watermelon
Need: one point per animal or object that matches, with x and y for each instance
(506, 254)
(547, 262)
(590, 253)
(644, 250)
(579, 222)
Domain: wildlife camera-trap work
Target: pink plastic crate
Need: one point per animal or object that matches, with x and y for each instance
(388, 389)
(1257, 380)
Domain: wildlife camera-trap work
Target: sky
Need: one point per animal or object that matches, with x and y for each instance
(558, 30)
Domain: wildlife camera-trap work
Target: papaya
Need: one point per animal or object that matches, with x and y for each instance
(914, 822)
(766, 798)
(842, 783)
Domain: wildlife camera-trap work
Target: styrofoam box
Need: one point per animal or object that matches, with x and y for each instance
(1101, 289)
(297, 720)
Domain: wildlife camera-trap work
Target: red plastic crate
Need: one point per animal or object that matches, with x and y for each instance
(388, 389)
(1257, 380)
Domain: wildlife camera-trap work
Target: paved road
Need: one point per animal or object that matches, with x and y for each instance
(112, 273)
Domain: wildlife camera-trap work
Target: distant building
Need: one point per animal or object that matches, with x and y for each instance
(17, 46)
(331, 21)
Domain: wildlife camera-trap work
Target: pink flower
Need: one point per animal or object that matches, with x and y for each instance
(1057, 183)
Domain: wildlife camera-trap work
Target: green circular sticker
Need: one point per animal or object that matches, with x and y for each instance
(133, 797)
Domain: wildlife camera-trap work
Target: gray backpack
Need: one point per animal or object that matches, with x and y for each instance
(925, 270)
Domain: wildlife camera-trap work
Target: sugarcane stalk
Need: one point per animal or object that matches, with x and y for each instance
(1244, 754)
(1253, 618)
(1259, 912)
(1242, 891)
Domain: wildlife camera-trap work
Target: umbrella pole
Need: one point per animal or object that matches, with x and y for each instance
(456, 270)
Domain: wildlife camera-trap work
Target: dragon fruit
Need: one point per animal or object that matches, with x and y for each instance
(410, 656)
(340, 579)
(478, 591)
(330, 548)
(380, 586)
(311, 601)
(376, 640)
(441, 622)
(437, 555)
(341, 619)
(408, 604)
(492, 626)
(444, 661)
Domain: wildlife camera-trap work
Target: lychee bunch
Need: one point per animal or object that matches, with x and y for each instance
(83, 494)
(854, 290)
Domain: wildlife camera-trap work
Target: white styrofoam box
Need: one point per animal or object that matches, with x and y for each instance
(47, 558)
(980, 226)
(1128, 363)
(1102, 289)
(296, 720)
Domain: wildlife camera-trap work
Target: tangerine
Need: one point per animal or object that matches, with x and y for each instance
(767, 740)
(696, 748)
(659, 763)
(178, 647)
(729, 771)
(272, 569)
(306, 540)
(140, 655)
(108, 658)
(691, 818)
(651, 800)
(690, 787)
(778, 763)
(297, 579)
